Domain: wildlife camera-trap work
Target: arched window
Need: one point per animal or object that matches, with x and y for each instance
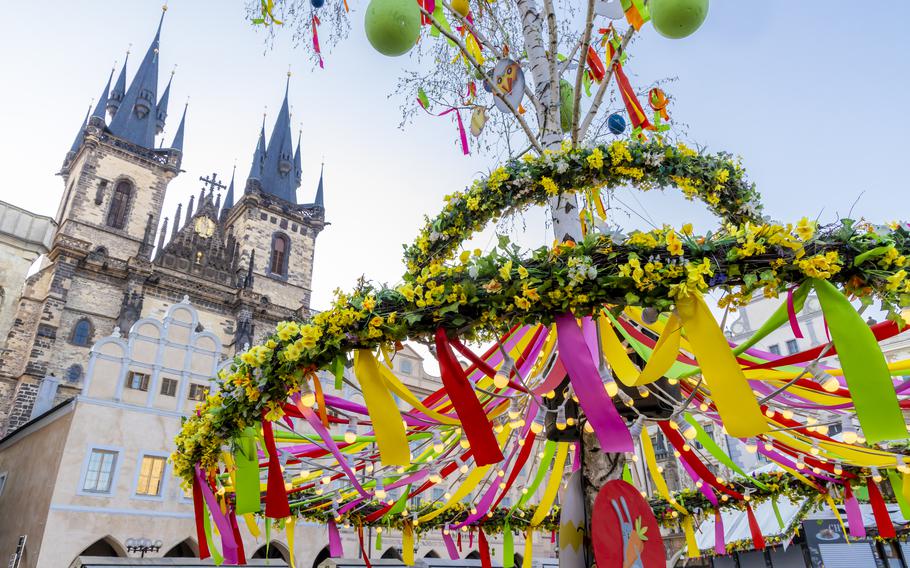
(74, 373)
(120, 203)
(82, 333)
(278, 263)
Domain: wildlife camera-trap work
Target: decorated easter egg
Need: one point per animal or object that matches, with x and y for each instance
(616, 123)
(317, 3)
(677, 19)
(392, 26)
(461, 6)
(508, 84)
(566, 104)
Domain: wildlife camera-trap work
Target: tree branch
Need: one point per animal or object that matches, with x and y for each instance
(464, 50)
(598, 98)
(551, 124)
(585, 42)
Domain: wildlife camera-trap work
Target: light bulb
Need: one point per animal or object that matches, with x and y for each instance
(703, 407)
(350, 435)
(751, 445)
(838, 469)
(822, 429)
(876, 476)
(644, 392)
(588, 428)
(800, 464)
(570, 421)
(551, 395)
(769, 413)
(788, 414)
(434, 476)
(611, 387)
(689, 432)
(673, 424)
(815, 449)
(536, 427)
(626, 399)
(379, 491)
(901, 466)
(561, 418)
(464, 443)
(769, 446)
(447, 496)
(307, 397)
(501, 378)
(463, 468)
(369, 468)
(687, 448)
(438, 446)
(849, 431)
(514, 409)
(830, 384)
(326, 479)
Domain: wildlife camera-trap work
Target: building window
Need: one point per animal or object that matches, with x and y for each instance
(82, 333)
(3, 477)
(120, 202)
(74, 373)
(137, 381)
(168, 387)
(151, 472)
(278, 264)
(792, 346)
(100, 471)
(775, 349)
(197, 392)
(406, 366)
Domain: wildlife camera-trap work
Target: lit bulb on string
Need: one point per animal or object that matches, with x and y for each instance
(501, 378)
(307, 396)
(849, 435)
(901, 465)
(379, 491)
(561, 417)
(787, 414)
(815, 449)
(643, 391)
(606, 377)
(438, 446)
(350, 434)
(838, 469)
(769, 446)
(514, 408)
(876, 475)
(751, 445)
(626, 399)
(703, 407)
(689, 431)
(826, 381)
(434, 475)
(464, 443)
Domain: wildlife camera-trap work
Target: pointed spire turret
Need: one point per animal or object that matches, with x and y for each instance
(278, 176)
(80, 136)
(189, 210)
(320, 198)
(97, 116)
(161, 235)
(161, 110)
(298, 164)
(258, 154)
(119, 90)
(177, 220)
(229, 196)
(135, 119)
(177, 144)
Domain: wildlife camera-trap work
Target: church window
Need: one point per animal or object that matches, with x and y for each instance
(120, 202)
(137, 381)
(74, 373)
(775, 349)
(406, 366)
(197, 392)
(278, 264)
(168, 387)
(151, 472)
(82, 333)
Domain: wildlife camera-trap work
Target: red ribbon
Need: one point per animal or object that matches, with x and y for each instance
(758, 541)
(199, 513)
(516, 469)
(316, 40)
(595, 65)
(484, 550)
(880, 511)
(363, 551)
(241, 554)
(474, 422)
(276, 497)
(629, 99)
(690, 458)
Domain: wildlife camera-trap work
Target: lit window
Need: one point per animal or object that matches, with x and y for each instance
(150, 474)
(120, 202)
(168, 387)
(792, 346)
(137, 381)
(406, 366)
(197, 392)
(82, 333)
(278, 264)
(775, 349)
(100, 471)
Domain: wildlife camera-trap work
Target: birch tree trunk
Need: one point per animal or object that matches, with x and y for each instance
(598, 466)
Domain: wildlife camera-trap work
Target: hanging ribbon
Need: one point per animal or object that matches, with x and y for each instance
(474, 421)
(664, 354)
(709, 444)
(529, 548)
(720, 547)
(691, 544)
(777, 319)
(549, 494)
(830, 501)
(217, 558)
(235, 530)
(777, 515)
(629, 98)
(228, 544)
(880, 511)
(636, 13)
(461, 131)
(200, 517)
(791, 314)
(864, 365)
(732, 395)
(508, 546)
(276, 497)
(316, 23)
(314, 422)
(659, 483)
(608, 425)
(450, 545)
(595, 65)
(363, 551)
(758, 541)
(384, 413)
(485, 561)
(246, 484)
(407, 544)
(289, 525)
(336, 550)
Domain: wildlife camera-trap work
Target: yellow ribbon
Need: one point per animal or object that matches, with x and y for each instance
(837, 516)
(396, 386)
(390, 433)
(289, 524)
(689, 530)
(529, 548)
(616, 354)
(735, 401)
(665, 352)
(659, 483)
(251, 525)
(549, 494)
(905, 487)
(407, 544)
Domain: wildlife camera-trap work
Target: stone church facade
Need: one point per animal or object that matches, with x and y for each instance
(244, 258)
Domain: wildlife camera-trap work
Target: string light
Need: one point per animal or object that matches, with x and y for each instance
(826, 381)
(876, 475)
(307, 397)
(644, 391)
(350, 434)
(514, 409)
(838, 469)
(849, 431)
(689, 431)
(434, 475)
(501, 378)
(438, 447)
(561, 418)
(379, 491)
(751, 445)
(703, 407)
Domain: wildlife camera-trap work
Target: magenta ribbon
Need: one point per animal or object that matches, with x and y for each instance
(316, 424)
(461, 130)
(791, 313)
(854, 515)
(450, 545)
(228, 544)
(705, 488)
(335, 548)
(608, 425)
(720, 546)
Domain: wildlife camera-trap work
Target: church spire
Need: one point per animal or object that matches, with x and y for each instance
(116, 94)
(298, 165)
(80, 136)
(135, 120)
(278, 168)
(229, 196)
(177, 144)
(161, 110)
(320, 202)
(258, 154)
(98, 113)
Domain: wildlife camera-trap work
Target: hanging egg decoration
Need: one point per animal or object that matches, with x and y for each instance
(392, 26)
(317, 3)
(508, 84)
(616, 123)
(461, 6)
(478, 120)
(677, 19)
(566, 104)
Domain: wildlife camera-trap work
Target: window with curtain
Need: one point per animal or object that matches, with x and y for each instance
(120, 202)
(279, 260)
(100, 471)
(151, 471)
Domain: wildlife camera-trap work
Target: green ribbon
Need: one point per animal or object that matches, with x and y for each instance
(780, 520)
(508, 546)
(549, 450)
(337, 369)
(217, 558)
(709, 444)
(247, 474)
(378, 540)
(627, 474)
(777, 319)
(864, 365)
(897, 486)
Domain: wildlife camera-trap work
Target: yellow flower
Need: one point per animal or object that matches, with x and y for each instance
(473, 203)
(595, 159)
(619, 153)
(493, 286)
(275, 412)
(292, 352)
(309, 335)
(496, 178)
(407, 291)
(820, 266)
(687, 229)
(549, 186)
(530, 293)
(287, 330)
(376, 321)
(505, 271)
(465, 255)
(674, 245)
(477, 252)
(522, 272)
(369, 303)
(895, 280)
(805, 229)
(522, 303)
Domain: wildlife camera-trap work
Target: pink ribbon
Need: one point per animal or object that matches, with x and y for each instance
(791, 313)
(450, 545)
(461, 130)
(705, 488)
(854, 515)
(316, 40)
(316, 424)
(720, 547)
(335, 548)
(228, 544)
(608, 425)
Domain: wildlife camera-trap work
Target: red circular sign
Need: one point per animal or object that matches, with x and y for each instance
(624, 530)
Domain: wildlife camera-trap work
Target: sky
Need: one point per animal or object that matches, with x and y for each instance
(810, 94)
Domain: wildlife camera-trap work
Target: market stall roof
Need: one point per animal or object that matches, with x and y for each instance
(736, 522)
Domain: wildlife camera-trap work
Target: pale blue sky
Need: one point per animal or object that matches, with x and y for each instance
(811, 94)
